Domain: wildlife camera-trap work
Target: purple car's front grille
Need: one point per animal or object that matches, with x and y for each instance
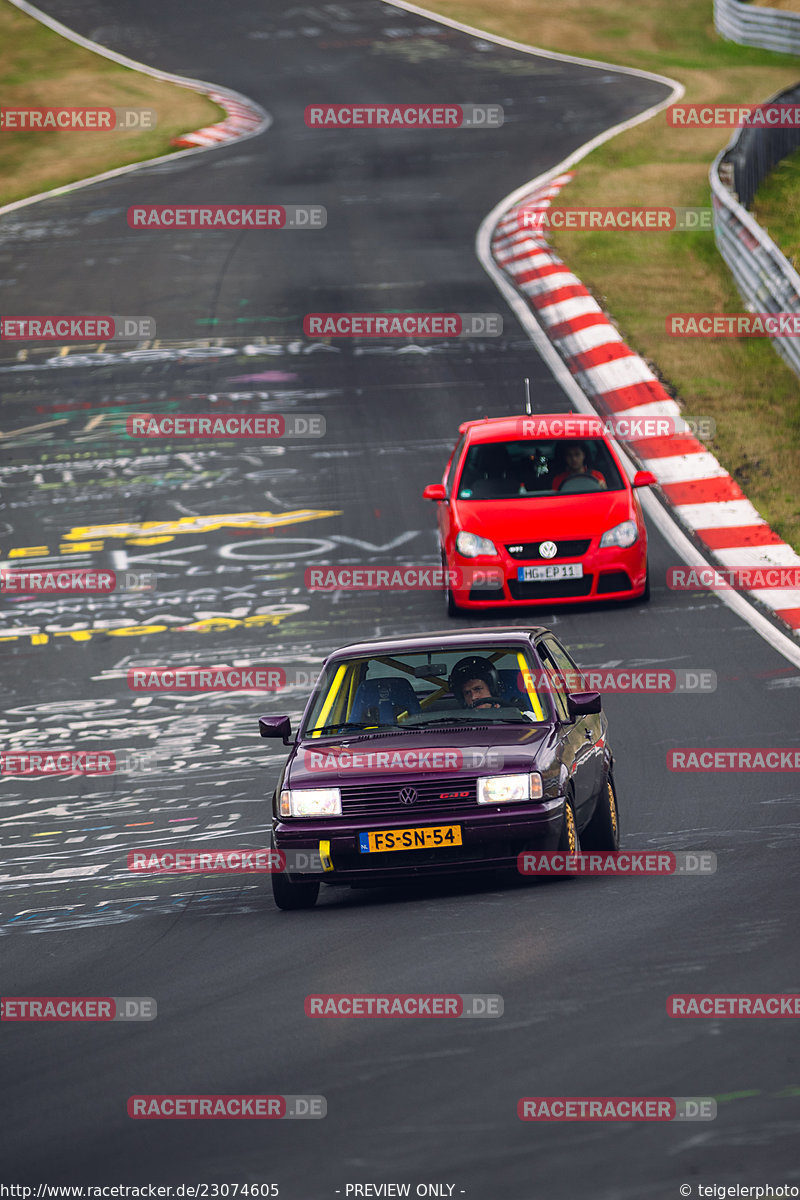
(433, 796)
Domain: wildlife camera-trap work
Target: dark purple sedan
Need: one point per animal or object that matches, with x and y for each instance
(439, 754)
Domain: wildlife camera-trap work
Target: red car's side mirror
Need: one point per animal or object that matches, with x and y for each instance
(644, 479)
(435, 491)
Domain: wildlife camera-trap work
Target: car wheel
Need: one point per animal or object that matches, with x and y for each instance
(602, 832)
(289, 895)
(569, 841)
(453, 610)
(646, 593)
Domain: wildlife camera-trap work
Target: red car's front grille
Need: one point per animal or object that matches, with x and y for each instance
(575, 548)
(550, 589)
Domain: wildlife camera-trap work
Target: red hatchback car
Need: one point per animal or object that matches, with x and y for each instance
(538, 509)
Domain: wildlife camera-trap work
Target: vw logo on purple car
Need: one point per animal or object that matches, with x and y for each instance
(548, 549)
(409, 795)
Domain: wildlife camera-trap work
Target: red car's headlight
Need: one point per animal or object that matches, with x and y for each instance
(470, 545)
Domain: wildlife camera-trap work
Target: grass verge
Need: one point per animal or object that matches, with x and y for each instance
(777, 207)
(639, 278)
(40, 69)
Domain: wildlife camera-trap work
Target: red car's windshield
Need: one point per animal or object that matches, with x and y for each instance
(548, 467)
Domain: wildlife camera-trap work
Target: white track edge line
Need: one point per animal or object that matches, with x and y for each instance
(597, 63)
(658, 514)
(197, 85)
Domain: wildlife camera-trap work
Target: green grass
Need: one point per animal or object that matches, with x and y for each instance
(777, 207)
(38, 68)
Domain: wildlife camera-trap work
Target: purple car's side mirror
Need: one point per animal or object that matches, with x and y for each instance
(583, 704)
(275, 727)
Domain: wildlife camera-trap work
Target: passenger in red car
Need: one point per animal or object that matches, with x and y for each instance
(575, 462)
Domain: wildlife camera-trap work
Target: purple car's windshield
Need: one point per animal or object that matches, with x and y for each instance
(464, 686)
(532, 469)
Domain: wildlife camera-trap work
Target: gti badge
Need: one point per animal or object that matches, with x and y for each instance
(409, 795)
(548, 549)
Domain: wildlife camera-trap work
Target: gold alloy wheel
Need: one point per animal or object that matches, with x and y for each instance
(572, 833)
(612, 807)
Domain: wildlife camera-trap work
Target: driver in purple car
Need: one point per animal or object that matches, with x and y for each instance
(475, 683)
(575, 462)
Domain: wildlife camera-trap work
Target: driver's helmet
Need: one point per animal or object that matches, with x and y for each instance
(474, 666)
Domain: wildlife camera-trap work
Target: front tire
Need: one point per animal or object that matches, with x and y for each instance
(291, 896)
(569, 841)
(453, 610)
(602, 832)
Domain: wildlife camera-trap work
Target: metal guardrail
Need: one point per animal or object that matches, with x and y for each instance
(765, 278)
(751, 25)
(754, 151)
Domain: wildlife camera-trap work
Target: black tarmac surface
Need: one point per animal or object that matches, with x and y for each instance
(585, 966)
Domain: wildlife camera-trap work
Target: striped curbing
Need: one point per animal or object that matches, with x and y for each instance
(697, 488)
(241, 119)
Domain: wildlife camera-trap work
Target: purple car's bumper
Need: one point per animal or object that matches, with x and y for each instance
(491, 840)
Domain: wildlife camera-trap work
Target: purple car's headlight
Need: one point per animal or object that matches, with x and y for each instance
(505, 789)
(310, 802)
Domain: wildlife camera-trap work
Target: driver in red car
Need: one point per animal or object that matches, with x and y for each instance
(575, 462)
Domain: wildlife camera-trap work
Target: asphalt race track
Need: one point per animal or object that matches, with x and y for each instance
(585, 966)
